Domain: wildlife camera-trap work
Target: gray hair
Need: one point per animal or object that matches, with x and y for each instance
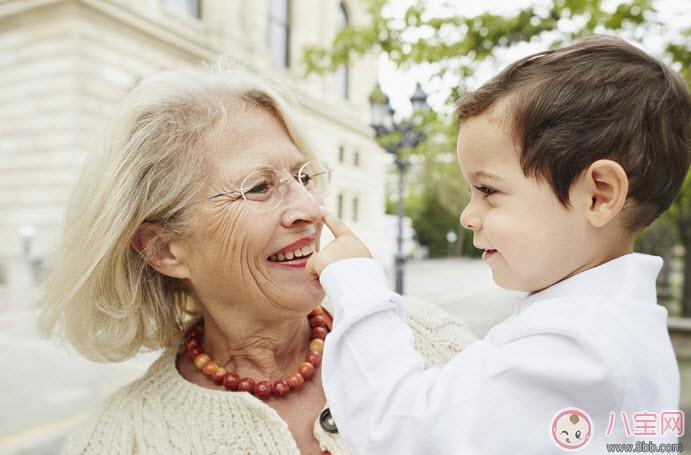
(108, 302)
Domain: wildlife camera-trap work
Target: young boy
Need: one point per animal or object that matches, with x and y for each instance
(570, 153)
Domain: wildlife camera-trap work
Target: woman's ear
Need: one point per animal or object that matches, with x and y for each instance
(605, 187)
(150, 241)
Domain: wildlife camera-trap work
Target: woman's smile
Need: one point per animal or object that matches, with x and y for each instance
(294, 255)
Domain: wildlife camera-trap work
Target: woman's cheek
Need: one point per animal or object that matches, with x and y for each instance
(221, 237)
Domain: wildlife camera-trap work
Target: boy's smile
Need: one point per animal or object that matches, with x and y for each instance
(531, 241)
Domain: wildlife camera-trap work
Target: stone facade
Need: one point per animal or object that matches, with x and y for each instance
(66, 64)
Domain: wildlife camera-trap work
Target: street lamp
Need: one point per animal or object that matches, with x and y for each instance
(408, 136)
(451, 238)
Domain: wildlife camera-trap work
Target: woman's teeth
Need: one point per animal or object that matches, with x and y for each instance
(290, 255)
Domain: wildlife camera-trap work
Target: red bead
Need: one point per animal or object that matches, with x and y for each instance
(191, 343)
(281, 387)
(209, 368)
(295, 382)
(306, 370)
(315, 358)
(319, 332)
(231, 381)
(194, 333)
(318, 321)
(246, 385)
(263, 390)
(218, 375)
(193, 352)
(317, 311)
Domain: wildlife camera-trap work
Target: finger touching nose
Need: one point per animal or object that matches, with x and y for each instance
(335, 225)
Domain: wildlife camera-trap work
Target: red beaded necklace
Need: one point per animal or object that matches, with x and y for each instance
(320, 322)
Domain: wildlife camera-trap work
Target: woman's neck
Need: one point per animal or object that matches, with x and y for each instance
(256, 349)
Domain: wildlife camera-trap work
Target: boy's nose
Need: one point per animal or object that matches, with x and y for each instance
(470, 220)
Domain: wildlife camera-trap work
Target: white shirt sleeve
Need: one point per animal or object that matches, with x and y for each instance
(489, 399)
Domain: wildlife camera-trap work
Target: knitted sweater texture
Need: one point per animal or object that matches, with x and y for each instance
(162, 413)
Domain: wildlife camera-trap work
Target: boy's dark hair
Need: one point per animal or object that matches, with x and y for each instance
(599, 98)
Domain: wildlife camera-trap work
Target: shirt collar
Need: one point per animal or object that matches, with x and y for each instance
(634, 274)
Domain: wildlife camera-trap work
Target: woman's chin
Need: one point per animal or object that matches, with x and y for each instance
(311, 296)
(298, 286)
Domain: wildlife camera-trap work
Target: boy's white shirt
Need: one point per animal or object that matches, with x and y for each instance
(596, 341)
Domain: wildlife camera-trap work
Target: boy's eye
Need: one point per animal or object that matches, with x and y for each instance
(486, 190)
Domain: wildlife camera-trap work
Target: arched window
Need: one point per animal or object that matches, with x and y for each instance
(278, 32)
(343, 72)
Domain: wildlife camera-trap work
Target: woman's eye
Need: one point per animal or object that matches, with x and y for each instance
(578, 434)
(486, 190)
(259, 188)
(303, 179)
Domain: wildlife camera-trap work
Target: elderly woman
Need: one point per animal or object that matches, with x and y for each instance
(191, 232)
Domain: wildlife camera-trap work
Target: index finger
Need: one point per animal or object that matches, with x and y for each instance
(335, 225)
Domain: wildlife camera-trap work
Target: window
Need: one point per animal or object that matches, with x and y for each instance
(340, 205)
(343, 72)
(341, 154)
(355, 208)
(189, 7)
(356, 159)
(278, 33)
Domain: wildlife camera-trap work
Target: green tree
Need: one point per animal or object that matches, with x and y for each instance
(454, 44)
(680, 213)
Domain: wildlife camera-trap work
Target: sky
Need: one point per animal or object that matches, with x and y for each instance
(399, 85)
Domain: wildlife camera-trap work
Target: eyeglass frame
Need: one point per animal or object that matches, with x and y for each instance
(282, 183)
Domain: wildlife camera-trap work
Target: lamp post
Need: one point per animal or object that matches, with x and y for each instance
(405, 134)
(451, 238)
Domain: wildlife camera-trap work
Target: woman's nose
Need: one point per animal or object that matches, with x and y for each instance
(299, 206)
(470, 219)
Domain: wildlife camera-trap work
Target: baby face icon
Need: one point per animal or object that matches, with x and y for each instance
(571, 429)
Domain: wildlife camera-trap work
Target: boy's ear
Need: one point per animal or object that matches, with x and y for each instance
(604, 186)
(162, 255)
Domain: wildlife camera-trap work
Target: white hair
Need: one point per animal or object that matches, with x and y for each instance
(108, 302)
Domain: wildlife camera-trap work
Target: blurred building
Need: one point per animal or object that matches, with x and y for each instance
(66, 64)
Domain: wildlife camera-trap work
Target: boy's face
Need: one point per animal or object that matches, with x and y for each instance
(537, 241)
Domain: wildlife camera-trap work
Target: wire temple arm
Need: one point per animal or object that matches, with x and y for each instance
(235, 193)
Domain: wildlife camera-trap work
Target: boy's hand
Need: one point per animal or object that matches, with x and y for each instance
(346, 245)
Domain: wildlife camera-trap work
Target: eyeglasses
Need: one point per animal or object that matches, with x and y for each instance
(265, 188)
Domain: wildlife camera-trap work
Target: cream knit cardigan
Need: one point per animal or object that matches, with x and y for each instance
(162, 413)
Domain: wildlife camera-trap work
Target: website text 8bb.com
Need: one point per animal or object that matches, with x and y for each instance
(644, 447)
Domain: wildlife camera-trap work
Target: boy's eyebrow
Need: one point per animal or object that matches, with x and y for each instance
(483, 174)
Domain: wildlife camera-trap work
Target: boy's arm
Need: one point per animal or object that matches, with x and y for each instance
(486, 400)
(489, 399)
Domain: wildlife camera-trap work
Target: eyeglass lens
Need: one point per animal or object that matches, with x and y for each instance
(267, 186)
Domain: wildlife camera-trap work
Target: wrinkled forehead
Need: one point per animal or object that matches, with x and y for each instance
(253, 140)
